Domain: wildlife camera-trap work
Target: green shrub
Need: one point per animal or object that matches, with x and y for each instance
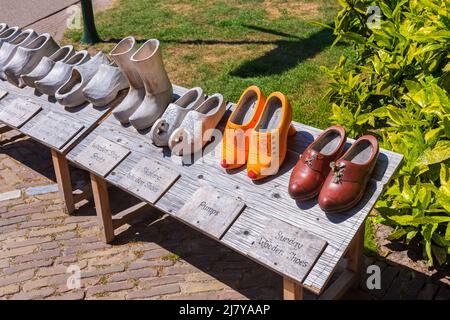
(398, 88)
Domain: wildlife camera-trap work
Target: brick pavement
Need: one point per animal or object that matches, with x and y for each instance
(154, 257)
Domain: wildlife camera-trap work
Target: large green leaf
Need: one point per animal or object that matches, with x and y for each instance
(438, 154)
(407, 220)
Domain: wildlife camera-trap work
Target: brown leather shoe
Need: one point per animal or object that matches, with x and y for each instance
(313, 166)
(347, 182)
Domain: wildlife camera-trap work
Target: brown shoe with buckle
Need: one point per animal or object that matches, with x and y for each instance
(313, 166)
(349, 176)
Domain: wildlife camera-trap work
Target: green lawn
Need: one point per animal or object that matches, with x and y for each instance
(225, 46)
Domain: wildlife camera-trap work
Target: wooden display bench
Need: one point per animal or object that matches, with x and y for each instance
(256, 219)
(46, 121)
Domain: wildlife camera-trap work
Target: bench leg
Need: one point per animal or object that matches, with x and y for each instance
(292, 290)
(355, 252)
(62, 173)
(102, 207)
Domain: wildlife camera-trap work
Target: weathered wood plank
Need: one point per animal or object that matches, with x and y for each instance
(264, 200)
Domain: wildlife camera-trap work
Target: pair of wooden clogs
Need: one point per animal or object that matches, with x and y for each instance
(256, 133)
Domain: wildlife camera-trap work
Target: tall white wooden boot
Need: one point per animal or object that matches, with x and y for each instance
(121, 54)
(158, 89)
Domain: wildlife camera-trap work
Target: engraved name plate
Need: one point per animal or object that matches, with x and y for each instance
(211, 211)
(55, 130)
(18, 111)
(287, 249)
(149, 179)
(102, 155)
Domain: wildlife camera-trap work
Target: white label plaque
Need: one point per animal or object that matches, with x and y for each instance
(18, 111)
(287, 249)
(102, 155)
(149, 179)
(55, 130)
(211, 211)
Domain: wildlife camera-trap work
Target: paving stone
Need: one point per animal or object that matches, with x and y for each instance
(99, 272)
(66, 236)
(4, 263)
(155, 291)
(79, 295)
(17, 251)
(25, 266)
(47, 254)
(109, 287)
(45, 282)
(86, 248)
(50, 231)
(21, 212)
(79, 241)
(35, 294)
(443, 293)
(428, 291)
(156, 254)
(194, 287)
(16, 278)
(405, 286)
(136, 274)
(12, 221)
(49, 246)
(60, 214)
(25, 243)
(158, 281)
(10, 289)
(39, 223)
(10, 195)
(33, 191)
(180, 270)
(149, 264)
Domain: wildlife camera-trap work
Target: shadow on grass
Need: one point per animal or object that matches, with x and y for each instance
(286, 55)
(288, 52)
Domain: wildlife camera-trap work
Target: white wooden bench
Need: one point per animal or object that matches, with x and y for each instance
(267, 203)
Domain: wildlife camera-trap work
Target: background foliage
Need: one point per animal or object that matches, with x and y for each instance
(398, 88)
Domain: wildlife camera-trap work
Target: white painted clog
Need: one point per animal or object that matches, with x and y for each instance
(27, 58)
(198, 126)
(8, 49)
(9, 34)
(46, 65)
(60, 73)
(70, 94)
(105, 85)
(174, 115)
